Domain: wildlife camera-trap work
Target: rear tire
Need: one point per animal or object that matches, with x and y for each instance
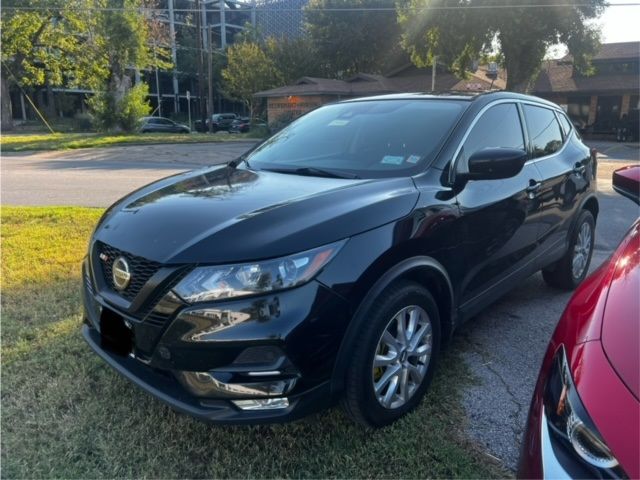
(377, 395)
(568, 272)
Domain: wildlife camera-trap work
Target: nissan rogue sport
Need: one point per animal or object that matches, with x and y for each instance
(334, 260)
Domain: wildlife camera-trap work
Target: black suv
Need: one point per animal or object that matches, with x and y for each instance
(334, 259)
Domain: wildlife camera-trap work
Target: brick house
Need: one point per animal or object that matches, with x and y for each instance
(308, 93)
(598, 101)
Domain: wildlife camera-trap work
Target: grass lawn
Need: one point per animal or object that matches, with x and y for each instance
(61, 141)
(67, 414)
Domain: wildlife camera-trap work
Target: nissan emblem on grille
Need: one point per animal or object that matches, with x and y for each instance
(120, 273)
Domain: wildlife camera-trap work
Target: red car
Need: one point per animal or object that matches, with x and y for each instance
(584, 420)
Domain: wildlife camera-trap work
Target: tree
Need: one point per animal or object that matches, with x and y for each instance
(293, 58)
(349, 40)
(248, 71)
(44, 43)
(458, 31)
(129, 39)
(89, 43)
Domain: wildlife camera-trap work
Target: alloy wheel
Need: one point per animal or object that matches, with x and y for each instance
(581, 250)
(402, 357)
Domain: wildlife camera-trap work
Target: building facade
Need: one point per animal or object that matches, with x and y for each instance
(307, 93)
(595, 103)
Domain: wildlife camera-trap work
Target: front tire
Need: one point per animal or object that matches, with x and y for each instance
(394, 357)
(568, 272)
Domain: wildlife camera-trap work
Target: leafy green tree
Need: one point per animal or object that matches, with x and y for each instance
(352, 36)
(458, 31)
(47, 42)
(129, 39)
(249, 70)
(294, 58)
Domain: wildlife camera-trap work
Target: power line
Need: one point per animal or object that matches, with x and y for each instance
(346, 9)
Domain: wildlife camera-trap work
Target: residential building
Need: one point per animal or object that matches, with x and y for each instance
(595, 102)
(308, 93)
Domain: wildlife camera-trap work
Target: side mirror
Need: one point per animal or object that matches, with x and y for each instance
(496, 163)
(626, 181)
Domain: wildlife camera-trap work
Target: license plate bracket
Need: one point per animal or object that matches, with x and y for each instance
(115, 335)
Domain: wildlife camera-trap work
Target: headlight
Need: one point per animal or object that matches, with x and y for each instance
(570, 423)
(206, 284)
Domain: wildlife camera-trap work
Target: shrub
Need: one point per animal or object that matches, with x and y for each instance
(103, 109)
(82, 122)
(133, 105)
(109, 113)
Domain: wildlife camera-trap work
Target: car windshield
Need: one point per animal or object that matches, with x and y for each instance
(365, 139)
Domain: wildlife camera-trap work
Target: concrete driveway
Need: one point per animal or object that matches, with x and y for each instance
(503, 346)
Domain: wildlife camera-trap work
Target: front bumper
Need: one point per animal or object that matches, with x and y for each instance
(278, 349)
(167, 389)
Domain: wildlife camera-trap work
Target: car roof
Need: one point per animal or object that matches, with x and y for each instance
(150, 117)
(474, 97)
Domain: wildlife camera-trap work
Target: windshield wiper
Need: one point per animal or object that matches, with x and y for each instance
(237, 161)
(313, 172)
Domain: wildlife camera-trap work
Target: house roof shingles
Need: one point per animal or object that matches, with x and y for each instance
(559, 76)
(407, 79)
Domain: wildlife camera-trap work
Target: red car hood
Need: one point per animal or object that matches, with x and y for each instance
(621, 318)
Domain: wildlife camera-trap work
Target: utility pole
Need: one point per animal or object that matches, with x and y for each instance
(433, 73)
(223, 25)
(210, 72)
(174, 58)
(155, 58)
(200, 47)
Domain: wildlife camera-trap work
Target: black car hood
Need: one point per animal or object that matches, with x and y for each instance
(224, 215)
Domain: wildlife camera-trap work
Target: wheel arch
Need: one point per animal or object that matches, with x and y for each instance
(424, 270)
(591, 204)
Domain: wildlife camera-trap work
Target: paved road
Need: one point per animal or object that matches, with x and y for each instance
(96, 177)
(503, 346)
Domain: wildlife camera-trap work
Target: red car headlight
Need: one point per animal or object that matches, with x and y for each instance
(570, 424)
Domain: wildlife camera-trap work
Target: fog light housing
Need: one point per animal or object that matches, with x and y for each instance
(262, 404)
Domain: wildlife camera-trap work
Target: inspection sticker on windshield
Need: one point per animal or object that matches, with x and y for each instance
(413, 159)
(339, 123)
(392, 160)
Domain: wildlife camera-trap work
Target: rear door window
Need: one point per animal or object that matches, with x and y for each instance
(545, 135)
(566, 124)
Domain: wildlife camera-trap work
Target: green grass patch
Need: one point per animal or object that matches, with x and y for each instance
(62, 141)
(66, 414)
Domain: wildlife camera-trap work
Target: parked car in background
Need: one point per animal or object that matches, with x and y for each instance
(584, 420)
(220, 121)
(240, 125)
(161, 125)
(333, 260)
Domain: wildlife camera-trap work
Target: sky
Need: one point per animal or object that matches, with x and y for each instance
(621, 24)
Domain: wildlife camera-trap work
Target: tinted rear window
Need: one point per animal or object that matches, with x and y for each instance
(368, 139)
(544, 131)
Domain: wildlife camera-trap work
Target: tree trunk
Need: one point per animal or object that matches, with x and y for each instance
(522, 59)
(51, 103)
(6, 115)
